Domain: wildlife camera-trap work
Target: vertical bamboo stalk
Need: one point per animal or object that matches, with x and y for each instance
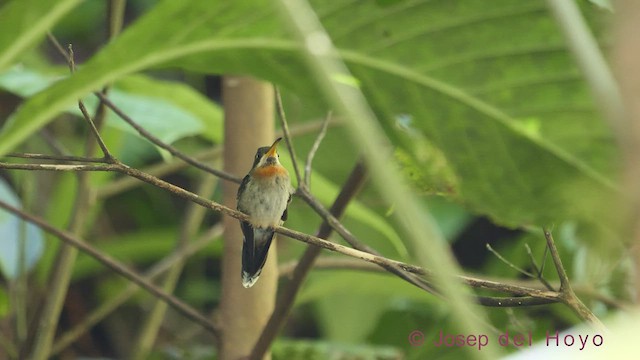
(249, 123)
(627, 63)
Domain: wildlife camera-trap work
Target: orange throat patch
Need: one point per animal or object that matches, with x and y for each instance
(269, 171)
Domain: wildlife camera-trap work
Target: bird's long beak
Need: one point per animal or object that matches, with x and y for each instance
(272, 152)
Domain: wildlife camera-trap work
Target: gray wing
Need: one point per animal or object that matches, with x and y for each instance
(285, 214)
(243, 185)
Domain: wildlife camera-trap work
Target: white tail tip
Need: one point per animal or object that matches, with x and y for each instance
(248, 280)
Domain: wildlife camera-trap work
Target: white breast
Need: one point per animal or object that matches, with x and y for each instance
(265, 200)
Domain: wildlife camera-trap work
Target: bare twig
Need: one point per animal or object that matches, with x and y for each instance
(53, 143)
(539, 269)
(567, 294)
(309, 239)
(519, 301)
(60, 158)
(165, 168)
(357, 244)
(555, 256)
(104, 101)
(287, 136)
(191, 223)
(58, 46)
(92, 126)
(61, 275)
(61, 167)
(304, 192)
(115, 265)
(114, 302)
(175, 152)
(509, 263)
(314, 149)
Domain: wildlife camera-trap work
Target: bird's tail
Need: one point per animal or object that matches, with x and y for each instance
(255, 249)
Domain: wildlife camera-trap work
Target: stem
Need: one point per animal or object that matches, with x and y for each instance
(287, 136)
(567, 294)
(592, 63)
(73, 241)
(114, 302)
(173, 151)
(190, 225)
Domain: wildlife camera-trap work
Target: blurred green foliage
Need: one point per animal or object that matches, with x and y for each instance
(485, 106)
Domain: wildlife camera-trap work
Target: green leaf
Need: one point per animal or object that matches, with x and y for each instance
(24, 22)
(326, 192)
(337, 293)
(17, 236)
(188, 103)
(4, 302)
(317, 350)
(328, 282)
(472, 90)
(140, 247)
(604, 4)
(168, 110)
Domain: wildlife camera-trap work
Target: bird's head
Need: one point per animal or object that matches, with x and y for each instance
(267, 156)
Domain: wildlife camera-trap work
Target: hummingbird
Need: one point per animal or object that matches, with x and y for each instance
(264, 195)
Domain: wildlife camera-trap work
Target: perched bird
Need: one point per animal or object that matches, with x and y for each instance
(264, 195)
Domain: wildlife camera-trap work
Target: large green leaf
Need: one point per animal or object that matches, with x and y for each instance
(341, 291)
(149, 101)
(24, 22)
(508, 111)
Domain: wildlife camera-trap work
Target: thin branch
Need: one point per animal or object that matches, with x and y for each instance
(165, 168)
(287, 136)
(357, 244)
(52, 142)
(60, 167)
(519, 301)
(568, 296)
(58, 46)
(59, 158)
(114, 265)
(589, 291)
(172, 150)
(539, 270)
(334, 263)
(379, 260)
(557, 262)
(62, 270)
(314, 149)
(509, 263)
(92, 126)
(158, 170)
(544, 259)
(114, 302)
(305, 193)
(309, 239)
(191, 222)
